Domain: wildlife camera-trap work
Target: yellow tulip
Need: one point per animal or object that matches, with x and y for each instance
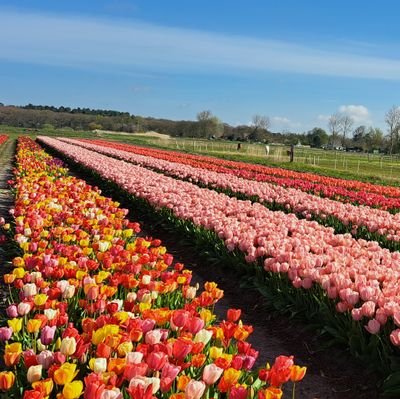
(65, 374)
(103, 332)
(19, 272)
(207, 316)
(215, 352)
(40, 299)
(72, 390)
(125, 348)
(87, 251)
(15, 324)
(33, 326)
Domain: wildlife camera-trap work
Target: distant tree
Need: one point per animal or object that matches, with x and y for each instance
(261, 122)
(374, 139)
(392, 119)
(94, 126)
(317, 137)
(346, 123)
(359, 137)
(335, 127)
(209, 125)
(47, 126)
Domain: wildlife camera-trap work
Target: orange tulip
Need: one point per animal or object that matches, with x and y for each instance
(7, 379)
(46, 386)
(66, 373)
(33, 325)
(183, 380)
(297, 373)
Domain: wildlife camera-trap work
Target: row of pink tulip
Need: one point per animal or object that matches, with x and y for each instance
(335, 188)
(299, 202)
(360, 275)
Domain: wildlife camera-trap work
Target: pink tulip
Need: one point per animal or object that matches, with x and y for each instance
(12, 311)
(5, 333)
(211, 374)
(373, 326)
(395, 337)
(47, 335)
(194, 389)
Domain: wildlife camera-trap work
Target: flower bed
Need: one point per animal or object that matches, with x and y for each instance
(360, 276)
(99, 312)
(356, 192)
(361, 221)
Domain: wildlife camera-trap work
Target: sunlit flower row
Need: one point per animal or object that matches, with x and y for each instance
(98, 312)
(297, 201)
(378, 196)
(359, 275)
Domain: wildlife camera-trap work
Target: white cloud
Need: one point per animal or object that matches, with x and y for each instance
(359, 113)
(284, 122)
(126, 46)
(323, 118)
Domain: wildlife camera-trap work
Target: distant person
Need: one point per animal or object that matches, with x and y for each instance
(239, 146)
(267, 150)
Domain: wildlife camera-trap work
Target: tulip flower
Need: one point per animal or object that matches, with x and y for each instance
(195, 389)
(65, 374)
(47, 335)
(72, 390)
(34, 373)
(68, 346)
(7, 380)
(5, 333)
(211, 374)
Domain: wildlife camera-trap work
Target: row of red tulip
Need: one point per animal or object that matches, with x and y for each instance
(99, 312)
(3, 138)
(384, 197)
(359, 275)
(303, 204)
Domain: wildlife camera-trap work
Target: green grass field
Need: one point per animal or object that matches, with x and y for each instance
(373, 167)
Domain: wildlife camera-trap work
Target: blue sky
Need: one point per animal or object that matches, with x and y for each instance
(294, 61)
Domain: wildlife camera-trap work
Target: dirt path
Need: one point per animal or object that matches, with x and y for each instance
(7, 151)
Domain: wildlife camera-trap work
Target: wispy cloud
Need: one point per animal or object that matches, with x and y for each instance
(126, 45)
(283, 122)
(359, 113)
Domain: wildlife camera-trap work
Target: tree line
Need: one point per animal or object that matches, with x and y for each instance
(340, 133)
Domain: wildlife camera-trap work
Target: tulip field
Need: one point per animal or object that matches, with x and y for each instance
(97, 312)
(361, 221)
(357, 277)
